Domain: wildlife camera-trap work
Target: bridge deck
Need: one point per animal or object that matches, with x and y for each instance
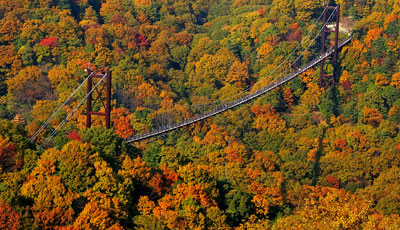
(240, 101)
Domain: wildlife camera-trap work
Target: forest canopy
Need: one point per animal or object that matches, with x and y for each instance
(302, 156)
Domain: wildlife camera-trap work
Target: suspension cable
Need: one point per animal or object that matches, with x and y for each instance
(259, 92)
(302, 54)
(32, 139)
(274, 70)
(72, 112)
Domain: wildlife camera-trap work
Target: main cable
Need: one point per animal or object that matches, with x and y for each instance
(72, 112)
(302, 54)
(243, 100)
(32, 139)
(274, 70)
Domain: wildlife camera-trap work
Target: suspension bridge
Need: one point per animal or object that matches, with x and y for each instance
(219, 107)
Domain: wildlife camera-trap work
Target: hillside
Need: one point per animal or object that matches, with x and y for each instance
(300, 157)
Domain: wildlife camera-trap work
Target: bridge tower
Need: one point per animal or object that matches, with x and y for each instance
(107, 105)
(327, 80)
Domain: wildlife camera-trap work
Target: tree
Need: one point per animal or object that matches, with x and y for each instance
(122, 127)
(288, 97)
(267, 118)
(109, 193)
(305, 9)
(152, 154)
(396, 80)
(328, 105)
(106, 142)
(324, 208)
(31, 31)
(28, 85)
(8, 156)
(371, 116)
(239, 207)
(356, 51)
(146, 219)
(381, 80)
(384, 191)
(9, 218)
(372, 35)
(90, 14)
(51, 200)
(282, 7)
(136, 170)
(215, 137)
(9, 30)
(265, 50)
(61, 74)
(380, 222)
(211, 69)
(95, 217)
(97, 35)
(162, 182)
(110, 7)
(238, 75)
(394, 114)
(43, 109)
(311, 97)
(74, 164)
(9, 60)
(15, 134)
(180, 54)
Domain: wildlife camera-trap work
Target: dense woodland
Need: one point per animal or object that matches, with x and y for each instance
(300, 157)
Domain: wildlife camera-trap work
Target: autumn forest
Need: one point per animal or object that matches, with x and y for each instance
(302, 156)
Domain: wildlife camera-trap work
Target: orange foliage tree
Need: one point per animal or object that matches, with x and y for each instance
(372, 116)
(267, 118)
(9, 218)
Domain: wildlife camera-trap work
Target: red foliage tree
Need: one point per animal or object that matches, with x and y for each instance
(141, 40)
(333, 181)
(288, 96)
(7, 156)
(51, 42)
(346, 85)
(294, 35)
(9, 218)
(162, 182)
(74, 136)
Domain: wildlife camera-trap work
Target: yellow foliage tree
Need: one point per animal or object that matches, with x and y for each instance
(110, 7)
(283, 7)
(43, 109)
(94, 217)
(60, 74)
(372, 116)
(305, 8)
(311, 96)
(331, 209)
(396, 80)
(238, 74)
(381, 80)
(264, 50)
(142, 2)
